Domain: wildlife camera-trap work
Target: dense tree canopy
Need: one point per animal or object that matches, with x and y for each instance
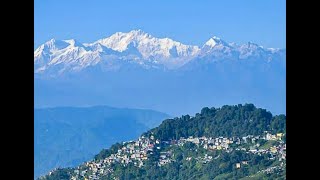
(228, 121)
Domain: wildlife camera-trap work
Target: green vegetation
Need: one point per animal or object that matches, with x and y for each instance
(268, 144)
(223, 176)
(192, 161)
(221, 168)
(107, 152)
(228, 121)
(61, 174)
(262, 176)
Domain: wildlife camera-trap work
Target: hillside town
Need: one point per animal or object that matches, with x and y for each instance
(137, 152)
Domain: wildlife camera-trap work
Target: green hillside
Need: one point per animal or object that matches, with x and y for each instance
(231, 142)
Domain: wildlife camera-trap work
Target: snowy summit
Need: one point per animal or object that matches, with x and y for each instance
(139, 48)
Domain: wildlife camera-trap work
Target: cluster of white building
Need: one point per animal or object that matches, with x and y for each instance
(137, 152)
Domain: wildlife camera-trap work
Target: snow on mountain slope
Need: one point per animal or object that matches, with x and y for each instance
(139, 48)
(147, 45)
(69, 53)
(217, 49)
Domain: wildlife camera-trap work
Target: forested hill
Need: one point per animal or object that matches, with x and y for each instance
(228, 121)
(231, 142)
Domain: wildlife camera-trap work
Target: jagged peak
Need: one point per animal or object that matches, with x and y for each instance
(137, 31)
(214, 41)
(73, 42)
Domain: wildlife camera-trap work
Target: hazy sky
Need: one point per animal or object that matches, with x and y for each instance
(187, 21)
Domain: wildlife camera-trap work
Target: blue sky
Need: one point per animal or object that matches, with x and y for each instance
(187, 21)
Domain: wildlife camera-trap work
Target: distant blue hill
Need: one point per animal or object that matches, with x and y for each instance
(67, 136)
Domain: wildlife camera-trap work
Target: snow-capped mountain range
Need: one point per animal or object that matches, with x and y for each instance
(142, 49)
